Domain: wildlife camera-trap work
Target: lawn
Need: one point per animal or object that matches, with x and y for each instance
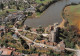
(10, 10)
(44, 1)
(75, 8)
(4, 11)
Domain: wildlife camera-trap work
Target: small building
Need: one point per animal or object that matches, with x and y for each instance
(36, 54)
(54, 32)
(31, 9)
(15, 36)
(17, 54)
(9, 52)
(61, 46)
(43, 41)
(43, 55)
(5, 51)
(50, 43)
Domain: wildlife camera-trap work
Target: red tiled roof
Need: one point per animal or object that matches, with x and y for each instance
(43, 54)
(42, 41)
(49, 43)
(16, 53)
(34, 54)
(6, 51)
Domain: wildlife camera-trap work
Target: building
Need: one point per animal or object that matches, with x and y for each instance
(61, 46)
(9, 52)
(5, 51)
(31, 9)
(53, 34)
(13, 17)
(43, 55)
(34, 54)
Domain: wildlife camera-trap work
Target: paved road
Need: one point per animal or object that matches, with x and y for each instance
(38, 44)
(34, 32)
(43, 45)
(77, 52)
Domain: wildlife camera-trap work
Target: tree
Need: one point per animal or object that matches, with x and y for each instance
(68, 35)
(13, 41)
(30, 13)
(40, 29)
(18, 7)
(40, 37)
(26, 46)
(33, 50)
(2, 6)
(25, 51)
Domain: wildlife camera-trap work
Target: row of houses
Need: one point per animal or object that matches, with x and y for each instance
(16, 16)
(13, 17)
(9, 52)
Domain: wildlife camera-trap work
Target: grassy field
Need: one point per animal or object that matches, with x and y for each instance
(4, 11)
(72, 13)
(44, 1)
(10, 10)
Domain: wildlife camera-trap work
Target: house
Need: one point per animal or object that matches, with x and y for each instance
(17, 54)
(11, 48)
(43, 55)
(15, 36)
(50, 43)
(31, 9)
(43, 41)
(33, 30)
(34, 54)
(12, 17)
(2, 28)
(5, 51)
(9, 52)
(61, 46)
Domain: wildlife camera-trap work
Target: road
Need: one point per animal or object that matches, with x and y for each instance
(38, 44)
(33, 32)
(77, 52)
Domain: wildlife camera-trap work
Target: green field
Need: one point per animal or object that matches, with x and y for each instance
(10, 10)
(75, 8)
(44, 1)
(4, 11)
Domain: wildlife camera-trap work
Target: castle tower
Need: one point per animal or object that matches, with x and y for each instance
(53, 33)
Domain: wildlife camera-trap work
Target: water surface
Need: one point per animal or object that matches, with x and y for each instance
(51, 15)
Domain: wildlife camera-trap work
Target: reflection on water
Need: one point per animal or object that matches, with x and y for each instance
(51, 15)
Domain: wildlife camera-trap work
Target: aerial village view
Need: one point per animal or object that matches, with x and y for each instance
(39, 27)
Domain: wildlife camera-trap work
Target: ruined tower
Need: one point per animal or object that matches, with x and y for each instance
(53, 33)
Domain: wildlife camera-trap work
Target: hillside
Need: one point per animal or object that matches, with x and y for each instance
(72, 13)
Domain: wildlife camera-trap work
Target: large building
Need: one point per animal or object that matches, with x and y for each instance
(53, 33)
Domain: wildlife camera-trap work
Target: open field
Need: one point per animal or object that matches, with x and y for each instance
(72, 13)
(44, 1)
(9, 10)
(4, 11)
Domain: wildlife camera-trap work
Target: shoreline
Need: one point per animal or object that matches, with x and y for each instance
(73, 14)
(47, 6)
(45, 20)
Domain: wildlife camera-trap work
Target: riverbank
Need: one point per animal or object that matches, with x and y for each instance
(72, 14)
(42, 7)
